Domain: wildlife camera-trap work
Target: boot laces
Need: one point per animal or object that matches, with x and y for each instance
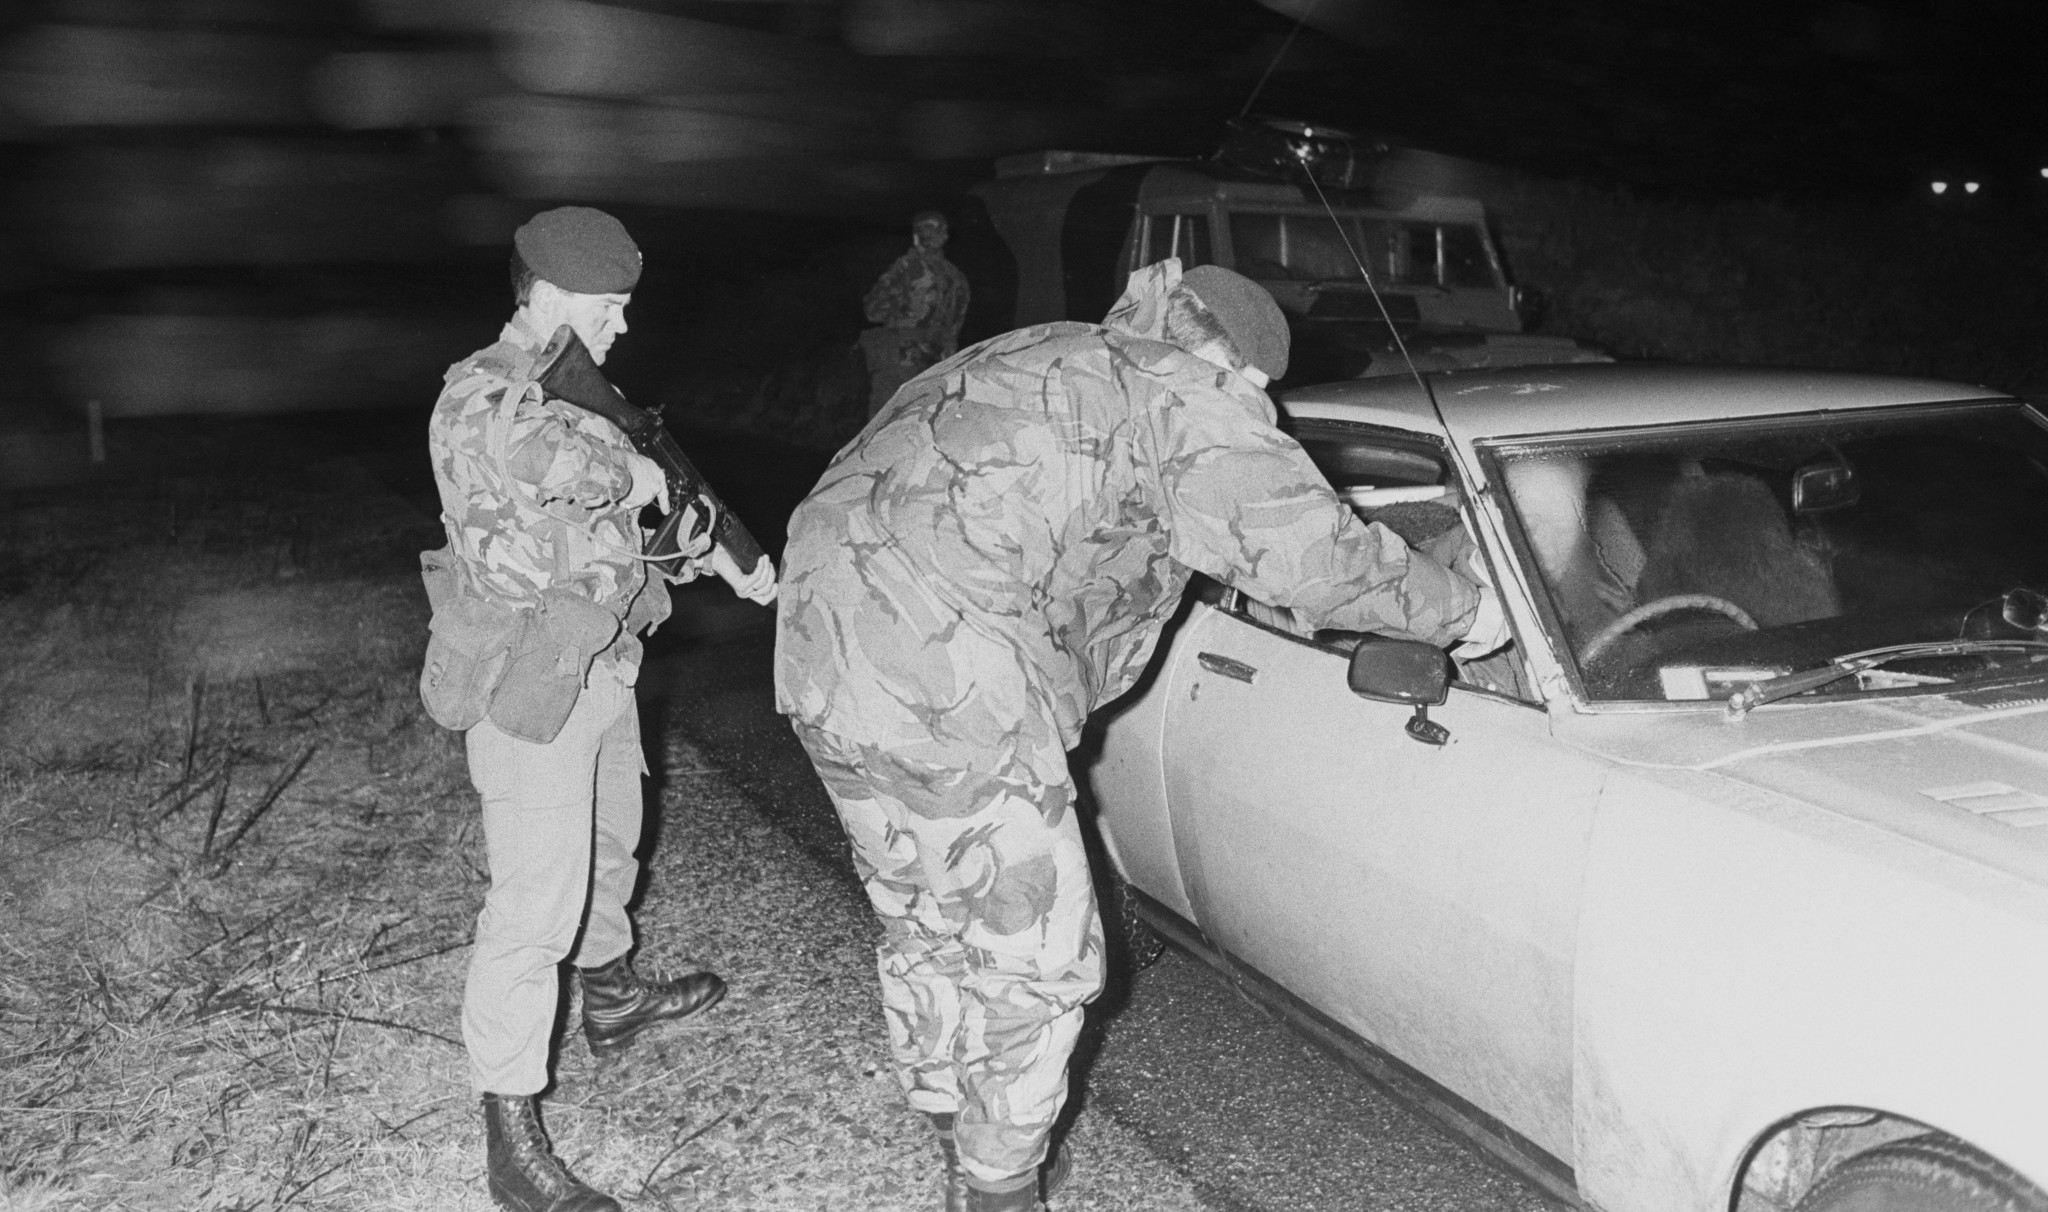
(535, 1154)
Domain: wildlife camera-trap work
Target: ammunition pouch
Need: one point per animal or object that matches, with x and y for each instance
(467, 649)
(523, 669)
(550, 656)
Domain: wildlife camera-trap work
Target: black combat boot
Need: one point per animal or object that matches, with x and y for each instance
(618, 1005)
(525, 1175)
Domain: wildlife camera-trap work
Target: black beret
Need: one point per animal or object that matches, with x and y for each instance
(580, 249)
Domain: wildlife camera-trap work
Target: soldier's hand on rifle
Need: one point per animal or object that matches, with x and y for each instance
(692, 544)
(757, 585)
(692, 548)
(650, 482)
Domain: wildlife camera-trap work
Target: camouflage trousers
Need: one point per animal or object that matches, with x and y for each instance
(990, 939)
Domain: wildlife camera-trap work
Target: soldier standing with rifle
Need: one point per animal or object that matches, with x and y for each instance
(539, 601)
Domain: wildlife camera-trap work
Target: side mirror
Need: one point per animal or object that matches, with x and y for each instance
(1407, 672)
(1820, 487)
(2018, 613)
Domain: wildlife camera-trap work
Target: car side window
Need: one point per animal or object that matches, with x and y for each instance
(1401, 482)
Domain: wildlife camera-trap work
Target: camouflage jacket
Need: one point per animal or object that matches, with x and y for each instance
(994, 556)
(532, 489)
(924, 292)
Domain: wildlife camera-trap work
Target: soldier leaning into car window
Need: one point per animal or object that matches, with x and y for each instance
(539, 600)
(920, 301)
(991, 560)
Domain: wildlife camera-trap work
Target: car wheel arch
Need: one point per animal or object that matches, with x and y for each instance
(1793, 1158)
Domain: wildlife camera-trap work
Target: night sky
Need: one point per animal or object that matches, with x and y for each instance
(1720, 97)
(1760, 98)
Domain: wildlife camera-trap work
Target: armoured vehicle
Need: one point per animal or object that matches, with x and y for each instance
(1300, 209)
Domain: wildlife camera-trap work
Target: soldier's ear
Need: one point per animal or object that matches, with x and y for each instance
(548, 304)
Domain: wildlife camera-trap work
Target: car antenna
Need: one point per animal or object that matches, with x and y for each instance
(1428, 392)
(1277, 56)
(1301, 153)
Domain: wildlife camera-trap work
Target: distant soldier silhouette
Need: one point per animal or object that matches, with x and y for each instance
(920, 303)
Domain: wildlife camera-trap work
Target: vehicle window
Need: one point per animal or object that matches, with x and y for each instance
(1350, 463)
(1687, 563)
(1413, 259)
(1404, 485)
(1467, 263)
(1313, 248)
(1183, 236)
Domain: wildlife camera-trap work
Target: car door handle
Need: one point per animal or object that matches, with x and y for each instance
(1227, 667)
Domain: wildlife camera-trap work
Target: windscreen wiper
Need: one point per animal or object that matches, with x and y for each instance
(1784, 686)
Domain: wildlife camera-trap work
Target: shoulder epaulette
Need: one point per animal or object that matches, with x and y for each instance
(503, 361)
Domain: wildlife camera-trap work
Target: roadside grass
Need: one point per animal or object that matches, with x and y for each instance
(238, 880)
(237, 871)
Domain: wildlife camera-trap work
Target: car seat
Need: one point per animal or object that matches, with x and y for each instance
(1725, 533)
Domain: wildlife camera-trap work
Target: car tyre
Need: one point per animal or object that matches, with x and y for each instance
(1923, 1174)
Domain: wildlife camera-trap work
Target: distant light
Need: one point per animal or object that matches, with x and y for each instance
(2044, 172)
(1969, 187)
(1941, 187)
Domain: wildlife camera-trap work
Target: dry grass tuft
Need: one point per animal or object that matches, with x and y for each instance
(238, 944)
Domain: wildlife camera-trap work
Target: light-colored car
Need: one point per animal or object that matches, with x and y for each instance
(1728, 879)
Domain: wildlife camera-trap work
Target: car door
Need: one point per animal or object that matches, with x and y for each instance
(1424, 897)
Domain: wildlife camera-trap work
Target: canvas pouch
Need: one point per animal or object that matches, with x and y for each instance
(468, 646)
(548, 659)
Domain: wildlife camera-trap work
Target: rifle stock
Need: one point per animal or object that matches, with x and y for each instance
(567, 372)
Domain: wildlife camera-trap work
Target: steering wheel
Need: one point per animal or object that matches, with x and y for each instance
(1657, 608)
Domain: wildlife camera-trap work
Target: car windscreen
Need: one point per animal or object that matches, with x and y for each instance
(1688, 562)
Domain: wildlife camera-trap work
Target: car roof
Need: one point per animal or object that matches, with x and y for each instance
(1523, 400)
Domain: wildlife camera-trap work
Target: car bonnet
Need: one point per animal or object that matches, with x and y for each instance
(1966, 773)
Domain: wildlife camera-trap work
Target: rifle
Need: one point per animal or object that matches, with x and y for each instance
(567, 372)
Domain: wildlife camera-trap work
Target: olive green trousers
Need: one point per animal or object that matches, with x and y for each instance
(561, 822)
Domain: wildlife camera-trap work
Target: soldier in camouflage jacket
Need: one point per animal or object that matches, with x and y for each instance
(539, 600)
(920, 301)
(988, 562)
